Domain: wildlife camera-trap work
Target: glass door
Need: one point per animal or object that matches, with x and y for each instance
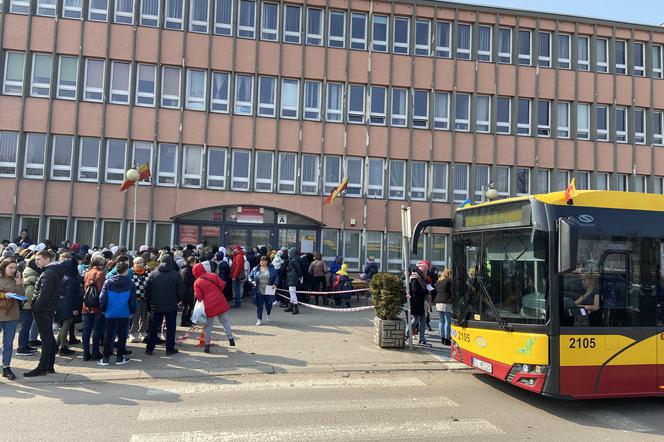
(262, 238)
(237, 236)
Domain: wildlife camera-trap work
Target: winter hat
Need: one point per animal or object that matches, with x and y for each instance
(237, 248)
(143, 248)
(7, 253)
(12, 245)
(41, 246)
(207, 266)
(95, 254)
(75, 247)
(425, 264)
(220, 256)
(343, 271)
(25, 245)
(85, 249)
(32, 247)
(114, 249)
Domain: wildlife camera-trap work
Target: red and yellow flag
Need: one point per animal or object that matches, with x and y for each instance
(335, 192)
(143, 174)
(570, 193)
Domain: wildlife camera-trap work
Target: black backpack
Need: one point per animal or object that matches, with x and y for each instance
(91, 295)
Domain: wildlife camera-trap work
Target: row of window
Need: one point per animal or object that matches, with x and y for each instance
(294, 24)
(285, 172)
(355, 103)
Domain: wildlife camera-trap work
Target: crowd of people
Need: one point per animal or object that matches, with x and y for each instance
(429, 289)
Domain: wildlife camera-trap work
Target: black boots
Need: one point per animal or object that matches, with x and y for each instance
(231, 341)
(296, 309)
(7, 373)
(445, 341)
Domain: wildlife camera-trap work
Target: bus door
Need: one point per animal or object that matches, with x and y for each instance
(660, 321)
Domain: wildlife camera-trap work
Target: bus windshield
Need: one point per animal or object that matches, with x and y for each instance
(508, 268)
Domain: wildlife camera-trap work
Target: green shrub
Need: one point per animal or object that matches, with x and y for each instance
(388, 294)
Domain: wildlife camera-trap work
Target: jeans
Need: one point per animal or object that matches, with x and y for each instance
(119, 327)
(420, 320)
(24, 334)
(263, 300)
(237, 292)
(223, 320)
(444, 324)
(93, 324)
(8, 333)
(61, 341)
(44, 322)
(155, 324)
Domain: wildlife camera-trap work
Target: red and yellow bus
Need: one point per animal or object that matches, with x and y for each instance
(561, 300)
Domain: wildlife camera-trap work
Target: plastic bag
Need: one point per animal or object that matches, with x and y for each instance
(198, 315)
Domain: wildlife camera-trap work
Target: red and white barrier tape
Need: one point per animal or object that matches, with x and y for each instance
(188, 333)
(303, 292)
(330, 309)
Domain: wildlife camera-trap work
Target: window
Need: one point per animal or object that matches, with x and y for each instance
(240, 170)
(336, 37)
(504, 45)
(163, 234)
(167, 163)
(560, 180)
(564, 50)
(246, 26)
(463, 42)
(263, 172)
(621, 57)
(542, 181)
(401, 31)
(658, 127)
(657, 61)
(67, 78)
(354, 172)
(351, 252)
(94, 80)
(196, 89)
(418, 180)
(623, 183)
(582, 53)
(621, 125)
(267, 96)
(397, 179)
(522, 181)
(378, 104)
(544, 58)
(358, 31)
(356, 103)
(124, 12)
(462, 112)
(502, 180)
(290, 98)
(35, 149)
(482, 113)
(88, 161)
(292, 24)
(503, 115)
(14, 65)
(110, 232)
(146, 80)
(525, 48)
(84, 231)
(482, 179)
(309, 175)
(375, 181)
(460, 182)
(438, 251)
(244, 94)
(423, 37)
(220, 92)
(314, 27)
(120, 73)
(115, 161)
(41, 75)
(142, 155)
(8, 149)
(563, 119)
(583, 121)
(523, 116)
(394, 261)
(223, 17)
(602, 50)
(19, 6)
(439, 182)
(72, 9)
(312, 92)
(332, 173)
(441, 110)
(198, 16)
(421, 109)
(443, 39)
(639, 125)
(150, 13)
(287, 166)
(399, 106)
(484, 43)
(330, 244)
(582, 180)
(98, 10)
(192, 166)
(61, 157)
(334, 109)
(170, 87)
(374, 247)
(641, 184)
(603, 181)
(269, 21)
(379, 33)
(639, 59)
(543, 118)
(216, 168)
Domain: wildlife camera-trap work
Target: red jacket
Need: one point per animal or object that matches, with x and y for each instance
(209, 288)
(238, 265)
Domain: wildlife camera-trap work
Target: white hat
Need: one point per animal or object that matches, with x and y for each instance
(143, 248)
(32, 247)
(114, 249)
(12, 245)
(41, 246)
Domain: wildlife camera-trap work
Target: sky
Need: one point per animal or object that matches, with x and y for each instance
(650, 12)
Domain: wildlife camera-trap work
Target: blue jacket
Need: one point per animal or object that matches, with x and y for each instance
(274, 276)
(118, 297)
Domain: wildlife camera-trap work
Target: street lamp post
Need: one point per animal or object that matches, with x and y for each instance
(133, 175)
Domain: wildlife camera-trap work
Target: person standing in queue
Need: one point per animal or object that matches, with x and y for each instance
(237, 275)
(163, 292)
(293, 278)
(11, 281)
(262, 277)
(444, 305)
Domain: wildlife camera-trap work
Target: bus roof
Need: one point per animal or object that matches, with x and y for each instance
(604, 199)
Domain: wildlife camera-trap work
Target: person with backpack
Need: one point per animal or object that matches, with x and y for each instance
(118, 302)
(93, 319)
(342, 282)
(209, 289)
(293, 278)
(238, 276)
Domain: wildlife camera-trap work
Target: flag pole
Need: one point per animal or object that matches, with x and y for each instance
(135, 209)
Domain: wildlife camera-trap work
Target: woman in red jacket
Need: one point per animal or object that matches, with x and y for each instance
(209, 289)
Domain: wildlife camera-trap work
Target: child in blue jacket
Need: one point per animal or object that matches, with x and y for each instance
(117, 302)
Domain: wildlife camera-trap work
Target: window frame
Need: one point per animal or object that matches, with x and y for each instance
(525, 59)
(356, 116)
(328, 185)
(288, 111)
(146, 19)
(210, 177)
(265, 109)
(380, 45)
(98, 14)
(220, 105)
(640, 119)
(174, 100)
(243, 107)
(563, 131)
(423, 49)
(285, 185)
(13, 87)
(544, 127)
(462, 53)
(115, 93)
(399, 119)
(70, 11)
(658, 120)
(461, 124)
(94, 90)
(375, 191)
(246, 30)
(544, 61)
(504, 57)
(269, 34)
(358, 43)
(197, 25)
(241, 179)
(484, 54)
(41, 89)
(442, 50)
(418, 193)
(336, 114)
(315, 183)
(355, 187)
(441, 122)
(602, 66)
(484, 125)
(400, 47)
(504, 127)
(193, 102)
(9, 165)
(639, 70)
(291, 36)
(460, 195)
(657, 61)
(621, 135)
(562, 62)
(377, 117)
(173, 23)
(88, 169)
(621, 68)
(124, 17)
(223, 27)
(439, 194)
(146, 99)
(527, 172)
(312, 113)
(397, 191)
(313, 39)
(524, 129)
(334, 40)
(110, 170)
(583, 131)
(163, 177)
(581, 64)
(34, 166)
(420, 121)
(53, 175)
(192, 180)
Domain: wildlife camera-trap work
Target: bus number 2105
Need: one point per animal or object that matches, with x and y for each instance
(582, 343)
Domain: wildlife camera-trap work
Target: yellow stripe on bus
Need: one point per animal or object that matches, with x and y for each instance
(642, 353)
(504, 347)
(584, 350)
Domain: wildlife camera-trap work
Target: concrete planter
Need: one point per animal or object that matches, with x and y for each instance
(389, 333)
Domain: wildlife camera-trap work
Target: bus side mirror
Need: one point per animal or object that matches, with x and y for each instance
(567, 233)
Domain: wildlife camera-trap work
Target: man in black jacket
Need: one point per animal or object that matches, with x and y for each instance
(45, 301)
(163, 291)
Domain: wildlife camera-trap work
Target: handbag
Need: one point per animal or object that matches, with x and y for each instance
(198, 315)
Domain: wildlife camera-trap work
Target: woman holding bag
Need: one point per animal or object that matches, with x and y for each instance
(11, 281)
(209, 288)
(262, 277)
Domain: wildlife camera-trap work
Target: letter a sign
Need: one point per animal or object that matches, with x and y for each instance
(282, 219)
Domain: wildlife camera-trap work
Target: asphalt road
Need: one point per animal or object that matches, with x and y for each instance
(419, 405)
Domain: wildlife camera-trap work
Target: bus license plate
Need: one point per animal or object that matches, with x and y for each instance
(483, 365)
